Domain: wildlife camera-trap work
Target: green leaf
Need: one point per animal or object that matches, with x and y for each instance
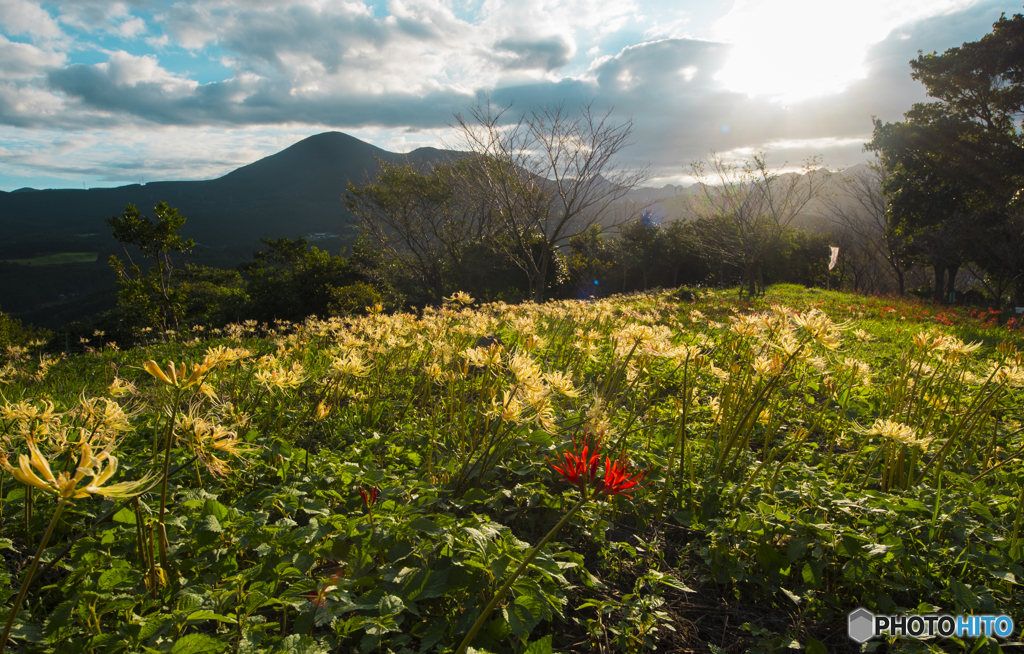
(815, 647)
(542, 646)
(434, 584)
(519, 620)
(390, 605)
(216, 509)
(964, 595)
(301, 644)
(210, 615)
(198, 644)
(210, 524)
(796, 599)
(426, 526)
(59, 617)
(154, 625)
(125, 516)
(115, 577)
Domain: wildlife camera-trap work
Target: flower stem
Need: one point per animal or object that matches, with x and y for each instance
(27, 581)
(515, 575)
(163, 484)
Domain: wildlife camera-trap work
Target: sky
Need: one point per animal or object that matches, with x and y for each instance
(99, 93)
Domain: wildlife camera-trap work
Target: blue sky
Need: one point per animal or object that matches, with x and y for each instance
(98, 93)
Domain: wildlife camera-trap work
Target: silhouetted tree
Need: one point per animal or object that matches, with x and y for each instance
(150, 294)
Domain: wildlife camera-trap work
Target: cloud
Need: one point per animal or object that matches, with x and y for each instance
(310, 66)
(24, 59)
(545, 53)
(23, 17)
(111, 17)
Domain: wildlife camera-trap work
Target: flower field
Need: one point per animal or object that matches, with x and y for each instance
(632, 474)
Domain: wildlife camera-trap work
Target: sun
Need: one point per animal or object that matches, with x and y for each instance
(794, 50)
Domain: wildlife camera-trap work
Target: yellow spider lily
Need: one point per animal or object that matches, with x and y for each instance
(35, 471)
(177, 377)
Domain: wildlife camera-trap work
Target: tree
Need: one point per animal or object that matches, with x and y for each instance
(151, 295)
(742, 211)
(860, 210)
(955, 167)
(287, 280)
(547, 177)
(642, 247)
(681, 254)
(420, 222)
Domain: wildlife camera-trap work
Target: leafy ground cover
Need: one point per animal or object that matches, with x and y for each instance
(370, 484)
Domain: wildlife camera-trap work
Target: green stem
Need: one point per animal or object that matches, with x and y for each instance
(1016, 522)
(27, 581)
(515, 575)
(169, 441)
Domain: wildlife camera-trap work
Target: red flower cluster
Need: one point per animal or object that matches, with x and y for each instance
(617, 481)
(581, 468)
(369, 496)
(581, 464)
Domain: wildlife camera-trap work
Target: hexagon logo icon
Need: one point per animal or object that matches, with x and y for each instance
(860, 625)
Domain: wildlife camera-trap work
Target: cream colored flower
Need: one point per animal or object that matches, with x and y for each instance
(349, 365)
(897, 431)
(460, 297)
(121, 388)
(862, 336)
(561, 383)
(35, 471)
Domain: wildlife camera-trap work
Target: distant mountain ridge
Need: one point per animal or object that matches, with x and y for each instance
(291, 193)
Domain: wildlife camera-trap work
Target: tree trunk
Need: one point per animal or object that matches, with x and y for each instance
(538, 294)
(951, 280)
(900, 282)
(940, 273)
(1018, 292)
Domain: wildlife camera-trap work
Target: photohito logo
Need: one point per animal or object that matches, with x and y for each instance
(862, 625)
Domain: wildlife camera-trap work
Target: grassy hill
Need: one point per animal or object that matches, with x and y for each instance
(368, 484)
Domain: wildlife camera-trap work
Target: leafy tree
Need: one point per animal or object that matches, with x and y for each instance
(150, 295)
(213, 296)
(287, 280)
(681, 253)
(642, 248)
(955, 167)
(742, 211)
(12, 332)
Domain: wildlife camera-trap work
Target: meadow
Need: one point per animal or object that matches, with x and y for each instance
(669, 471)
(56, 259)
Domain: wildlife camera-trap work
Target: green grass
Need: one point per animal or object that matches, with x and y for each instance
(57, 259)
(776, 500)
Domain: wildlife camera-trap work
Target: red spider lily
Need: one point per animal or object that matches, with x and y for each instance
(369, 496)
(617, 481)
(580, 466)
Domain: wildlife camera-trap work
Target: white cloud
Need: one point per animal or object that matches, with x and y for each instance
(23, 17)
(395, 79)
(24, 59)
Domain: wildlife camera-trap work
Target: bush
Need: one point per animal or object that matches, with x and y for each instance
(353, 299)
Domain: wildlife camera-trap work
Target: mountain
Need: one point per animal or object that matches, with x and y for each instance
(292, 193)
(296, 192)
(54, 243)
